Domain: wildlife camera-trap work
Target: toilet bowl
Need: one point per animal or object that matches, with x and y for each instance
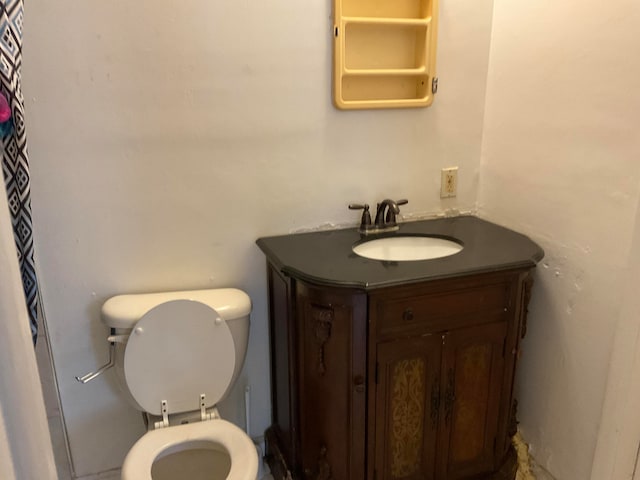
(202, 450)
(177, 356)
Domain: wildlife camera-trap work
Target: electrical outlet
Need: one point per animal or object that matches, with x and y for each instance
(449, 182)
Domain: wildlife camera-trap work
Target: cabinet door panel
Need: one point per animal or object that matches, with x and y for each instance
(283, 369)
(407, 404)
(332, 366)
(473, 365)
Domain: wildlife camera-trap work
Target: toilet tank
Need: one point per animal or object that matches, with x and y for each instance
(122, 312)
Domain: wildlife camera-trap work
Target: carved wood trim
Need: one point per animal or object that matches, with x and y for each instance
(526, 298)
(449, 396)
(513, 420)
(435, 402)
(274, 457)
(322, 470)
(322, 321)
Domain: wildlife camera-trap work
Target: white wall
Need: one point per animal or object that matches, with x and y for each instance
(619, 433)
(560, 162)
(165, 138)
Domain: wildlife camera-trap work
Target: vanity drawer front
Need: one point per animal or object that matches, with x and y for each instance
(443, 310)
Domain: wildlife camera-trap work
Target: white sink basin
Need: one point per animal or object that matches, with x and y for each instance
(406, 248)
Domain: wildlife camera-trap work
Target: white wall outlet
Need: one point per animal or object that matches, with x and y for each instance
(449, 182)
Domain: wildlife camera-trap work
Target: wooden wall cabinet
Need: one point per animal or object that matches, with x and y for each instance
(411, 382)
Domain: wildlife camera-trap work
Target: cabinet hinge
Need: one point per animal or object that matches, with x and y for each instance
(376, 373)
(495, 443)
(434, 85)
(504, 347)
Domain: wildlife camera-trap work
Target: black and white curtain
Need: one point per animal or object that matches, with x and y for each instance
(15, 165)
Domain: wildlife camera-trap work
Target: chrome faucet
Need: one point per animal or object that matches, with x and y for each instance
(392, 209)
(385, 220)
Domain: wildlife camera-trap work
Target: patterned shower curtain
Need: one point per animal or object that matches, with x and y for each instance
(15, 165)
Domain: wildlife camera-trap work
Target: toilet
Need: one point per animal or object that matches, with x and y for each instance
(177, 354)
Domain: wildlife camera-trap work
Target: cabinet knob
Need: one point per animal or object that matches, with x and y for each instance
(407, 315)
(358, 382)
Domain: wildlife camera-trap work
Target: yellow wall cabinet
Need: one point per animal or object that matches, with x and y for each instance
(384, 53)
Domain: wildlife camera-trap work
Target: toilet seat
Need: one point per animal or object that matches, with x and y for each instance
(241, 450)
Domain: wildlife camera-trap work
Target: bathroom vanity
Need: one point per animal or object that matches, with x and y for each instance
(396, 369)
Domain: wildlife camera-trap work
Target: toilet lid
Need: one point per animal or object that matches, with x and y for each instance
(177, 351)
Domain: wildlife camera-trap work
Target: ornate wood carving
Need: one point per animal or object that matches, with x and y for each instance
(274, 457)
(513, 420)
(527, 286)
(449, 396)
(322, 470)
(435, 402)
(322, 320)
(408, 392)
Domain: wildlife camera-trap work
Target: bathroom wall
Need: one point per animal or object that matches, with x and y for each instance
(619, 433)
(166, 138)
(560, 163)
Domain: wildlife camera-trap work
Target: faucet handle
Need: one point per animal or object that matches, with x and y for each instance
(404, 201)
(365, 221)
(358, 206)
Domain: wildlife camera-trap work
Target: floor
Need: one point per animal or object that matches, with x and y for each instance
(528, 469)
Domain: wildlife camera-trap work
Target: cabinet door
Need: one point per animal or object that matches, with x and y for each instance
(283, 368)
(332, 382)
(472, 370)
(407, 400)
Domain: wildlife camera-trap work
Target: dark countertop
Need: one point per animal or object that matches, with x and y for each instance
(326, 258)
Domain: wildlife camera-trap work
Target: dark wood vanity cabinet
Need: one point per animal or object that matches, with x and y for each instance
(408, 382)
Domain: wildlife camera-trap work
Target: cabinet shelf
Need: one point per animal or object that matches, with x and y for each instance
(387, 21)
(384, 72)
(397, 46)
(385, 8)
(379, 90)
(384, 53)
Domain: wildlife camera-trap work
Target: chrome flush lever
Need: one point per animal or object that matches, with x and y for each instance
(86, 378)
